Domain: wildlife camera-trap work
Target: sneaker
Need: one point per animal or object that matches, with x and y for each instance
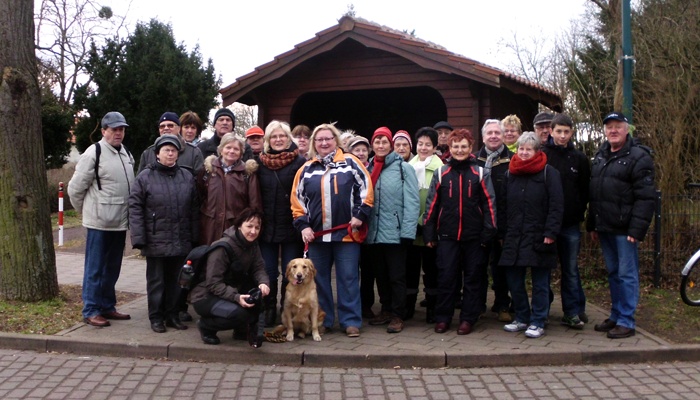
(515, 326)
(534, 332)
(583, 317)
(395, 325)
(504, 316)
(573, 322)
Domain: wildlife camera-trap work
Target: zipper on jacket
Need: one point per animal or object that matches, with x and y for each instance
(154, 223)
(461, 206)
(450, 188)
(469, 191)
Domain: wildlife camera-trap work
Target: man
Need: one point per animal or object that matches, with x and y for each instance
(443, 148)
(254, 138)
(224, 122)
(189, 157)
(575, 175)
(543, 126)
(621, 208)
(99, 189)
(494, 156)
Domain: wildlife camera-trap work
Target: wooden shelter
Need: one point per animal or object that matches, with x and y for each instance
(364, 75)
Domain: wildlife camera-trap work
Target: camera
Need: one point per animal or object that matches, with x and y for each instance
(254, 296)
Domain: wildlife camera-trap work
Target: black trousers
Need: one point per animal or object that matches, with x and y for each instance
(498, 277)
(421, 257)
(162, 288)
(221, 315)
(389, 265)
(366, 278)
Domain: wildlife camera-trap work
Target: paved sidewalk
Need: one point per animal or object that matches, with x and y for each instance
(416, 346)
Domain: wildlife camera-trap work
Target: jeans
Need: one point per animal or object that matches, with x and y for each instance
(536, 315)
(103, 263)
(622, 262)
(573, 300)
(162, 288)
(346, 257)
(272, 253)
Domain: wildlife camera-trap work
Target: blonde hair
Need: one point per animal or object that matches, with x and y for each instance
(512, 120)
(273, 126)
(330, 127)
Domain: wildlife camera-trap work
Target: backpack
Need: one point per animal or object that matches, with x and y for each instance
(194, 270)
(98, 151)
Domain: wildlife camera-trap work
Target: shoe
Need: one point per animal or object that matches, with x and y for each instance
(620, 332)
(465, 328)
(441, 327)
(184, 316)
(504, 316)
(583, 317)
(534, 332)
(395, 325)
(97, 320)
(605, 326)
(367, 313)
(158, 327)
(175, 323)
(208, 337)
(116, 315)
(352, 331)
(381, 319)
(515, 326)
(254, 340)
(573, 322)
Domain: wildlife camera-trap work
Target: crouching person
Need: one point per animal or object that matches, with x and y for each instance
(222, 299)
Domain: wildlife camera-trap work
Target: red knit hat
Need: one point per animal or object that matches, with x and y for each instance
(254, 131)
(382, 131)
(405, 135)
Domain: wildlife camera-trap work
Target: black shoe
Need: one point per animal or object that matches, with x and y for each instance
(208, 337)
(430, 315)
(605, 326)
(620, 332)
(254, 340)
(175, 323)
(158, 327)
(184, 316)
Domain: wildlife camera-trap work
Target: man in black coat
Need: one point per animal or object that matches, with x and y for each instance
(622, 206)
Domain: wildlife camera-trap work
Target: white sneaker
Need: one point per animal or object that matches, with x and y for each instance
(534, 332)
(515, 326)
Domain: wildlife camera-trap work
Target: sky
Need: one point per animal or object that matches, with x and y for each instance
(241, 35)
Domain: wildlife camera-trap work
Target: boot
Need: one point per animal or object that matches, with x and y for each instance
(271, 306)
(410, 306)
(430, 301)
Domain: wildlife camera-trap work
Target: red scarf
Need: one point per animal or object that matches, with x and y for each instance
(518, 166)
(378, 165)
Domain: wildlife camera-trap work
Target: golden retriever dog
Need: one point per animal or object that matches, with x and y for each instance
(301, 314)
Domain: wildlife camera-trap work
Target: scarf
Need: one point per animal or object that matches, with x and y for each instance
(228, 168)
(534, 165)
(378, 166)
(420, 167)
(278, 160)
(491, 156)
(327, 160)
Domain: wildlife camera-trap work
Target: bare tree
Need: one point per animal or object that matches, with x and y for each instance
(27, 258)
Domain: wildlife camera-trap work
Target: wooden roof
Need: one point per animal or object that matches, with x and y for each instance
(426, 54)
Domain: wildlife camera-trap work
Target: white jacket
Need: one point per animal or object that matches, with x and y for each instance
(106, 209)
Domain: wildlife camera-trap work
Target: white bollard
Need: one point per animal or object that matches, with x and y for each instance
(60, 214)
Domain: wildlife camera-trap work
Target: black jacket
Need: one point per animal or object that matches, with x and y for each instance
(622, 190)
(535, 207)
(499, 168)
(575, 174)
(461, 204)
(209, 147)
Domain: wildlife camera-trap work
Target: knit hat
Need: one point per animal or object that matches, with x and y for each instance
(170, 116)
(405, 135)
(382, 131)
(443, 124)
(167, 139)
(254, 131)
(224, 112)
(113, 119)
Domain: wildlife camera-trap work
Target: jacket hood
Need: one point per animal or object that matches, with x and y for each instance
(213, 161)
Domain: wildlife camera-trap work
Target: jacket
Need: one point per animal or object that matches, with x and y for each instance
(499, 169)
(622, 190)
(106, 209)
(394, 215)
(275, 188)
(163, 211)
(326, 196)
(461, 205)
(434, 164)
(534, 210)
(190, 157)
(575, 174)
(224, 195)
(226, 278)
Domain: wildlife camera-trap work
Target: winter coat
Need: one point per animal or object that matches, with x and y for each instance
(622, 190)
(326, 196)
(575, 174)
(163, 211)
(394, 215)
(461, 204)
(189, 157)
(224, 195)
(227, 278)
(275, 188)
(434, 164)
(106, 209)
(534, 210)
(499, 169)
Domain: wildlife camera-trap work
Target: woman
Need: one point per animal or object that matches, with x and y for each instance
(222, 299)
(279, 241)
(535, 209)
(226, 187)
(301, 135)
(403, 145)
(512, 129)
(359, 147)
(460, 219)
(191, 127)
(330, 191)
(163, 220)
(392, 228)
(425, 163)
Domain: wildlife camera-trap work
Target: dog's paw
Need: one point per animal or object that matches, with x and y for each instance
(290, 337)
(317, 337)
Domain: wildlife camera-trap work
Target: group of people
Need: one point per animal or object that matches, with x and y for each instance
(378, 210)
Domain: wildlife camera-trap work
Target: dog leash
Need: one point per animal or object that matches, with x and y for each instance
(361, 232)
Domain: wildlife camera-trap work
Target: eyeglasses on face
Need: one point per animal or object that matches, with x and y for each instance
(319, 140)
(169, 126)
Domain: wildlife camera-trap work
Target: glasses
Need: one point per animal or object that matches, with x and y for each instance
(167, 150)
(169, 126)
(510, 130)
(325, 139)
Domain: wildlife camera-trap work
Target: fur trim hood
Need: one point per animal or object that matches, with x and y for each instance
(251, 166)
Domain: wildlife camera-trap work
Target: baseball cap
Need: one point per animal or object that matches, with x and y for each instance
(113, 119)
(615, 116)
(254, 131)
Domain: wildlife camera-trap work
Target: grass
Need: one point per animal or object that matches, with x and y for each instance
(71, 219)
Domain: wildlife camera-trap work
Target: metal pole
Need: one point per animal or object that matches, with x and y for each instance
(657, 241)
(60, 213)
(627, 60)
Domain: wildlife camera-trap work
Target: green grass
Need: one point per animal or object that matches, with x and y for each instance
(71, 219)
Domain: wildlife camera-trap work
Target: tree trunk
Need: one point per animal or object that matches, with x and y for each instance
(27, 258)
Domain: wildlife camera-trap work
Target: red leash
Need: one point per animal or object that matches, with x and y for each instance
(361, 233)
